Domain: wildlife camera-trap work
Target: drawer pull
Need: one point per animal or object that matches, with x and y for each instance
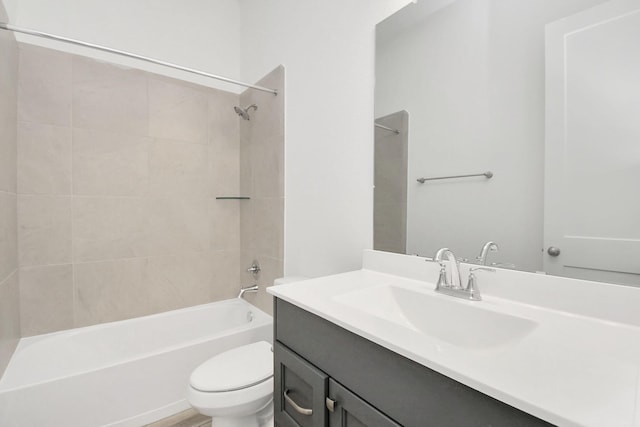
(299, 409)
(331, 404)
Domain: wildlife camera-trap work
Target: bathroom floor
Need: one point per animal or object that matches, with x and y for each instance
(188, 418)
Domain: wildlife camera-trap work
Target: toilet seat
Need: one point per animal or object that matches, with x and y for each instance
(232, 403)
(235, 383)
(235, 369)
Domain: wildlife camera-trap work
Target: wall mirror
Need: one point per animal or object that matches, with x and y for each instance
(540, 100)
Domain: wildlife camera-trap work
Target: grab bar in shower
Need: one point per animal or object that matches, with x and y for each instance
(487, 174)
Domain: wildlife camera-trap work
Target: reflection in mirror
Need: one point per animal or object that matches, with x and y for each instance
(390, 183)
(471, 75)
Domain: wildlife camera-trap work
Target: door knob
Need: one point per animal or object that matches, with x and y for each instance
(553, 251)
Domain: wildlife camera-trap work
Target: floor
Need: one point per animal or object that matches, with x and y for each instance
(188, 418)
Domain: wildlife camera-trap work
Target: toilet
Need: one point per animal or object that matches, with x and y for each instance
(235, 387)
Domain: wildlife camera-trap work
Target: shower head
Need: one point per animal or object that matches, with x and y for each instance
(244, 112)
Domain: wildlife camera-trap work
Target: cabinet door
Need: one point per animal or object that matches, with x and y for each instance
(351, 411)
(300, 391)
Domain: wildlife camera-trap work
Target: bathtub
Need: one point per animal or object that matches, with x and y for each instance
(126, 373)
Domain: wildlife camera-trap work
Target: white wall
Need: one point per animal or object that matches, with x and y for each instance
(472, 78)
(327, 48)
(10, 6)
(200, 34)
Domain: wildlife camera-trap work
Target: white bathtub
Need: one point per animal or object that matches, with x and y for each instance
(125, 373)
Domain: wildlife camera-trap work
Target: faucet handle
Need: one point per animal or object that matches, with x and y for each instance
(442, 277)
(442, 282)
(472, 284)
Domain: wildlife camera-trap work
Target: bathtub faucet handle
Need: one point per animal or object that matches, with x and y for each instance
(246, 289)
(254, 269)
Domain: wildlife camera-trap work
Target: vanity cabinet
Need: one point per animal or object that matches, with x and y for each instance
(307, 397)
(300, 401)
(344, 380)
(349, 410)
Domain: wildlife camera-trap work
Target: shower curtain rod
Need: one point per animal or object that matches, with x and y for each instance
(9, 27)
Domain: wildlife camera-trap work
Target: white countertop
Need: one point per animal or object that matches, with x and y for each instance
(570, 370)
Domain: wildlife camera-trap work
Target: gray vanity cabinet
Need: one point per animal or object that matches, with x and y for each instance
(348, 410)
(349, 381)
(300, 401)
(306, 396)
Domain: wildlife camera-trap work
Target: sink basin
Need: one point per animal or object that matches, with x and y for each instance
(457, 322)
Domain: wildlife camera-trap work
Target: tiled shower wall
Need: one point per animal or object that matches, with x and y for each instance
(262, 179)
(9, 292)
(118, 171)
(390, 183)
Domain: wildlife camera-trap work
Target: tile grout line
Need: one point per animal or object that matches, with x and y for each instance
(142, 257)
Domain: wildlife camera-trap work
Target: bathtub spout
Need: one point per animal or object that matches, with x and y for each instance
(244, 290)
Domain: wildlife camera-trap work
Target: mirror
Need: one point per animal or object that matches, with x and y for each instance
(467, 87)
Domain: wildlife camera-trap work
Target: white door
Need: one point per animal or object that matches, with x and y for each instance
(592, 152)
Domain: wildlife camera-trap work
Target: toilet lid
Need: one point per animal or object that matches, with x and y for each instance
(235, 369)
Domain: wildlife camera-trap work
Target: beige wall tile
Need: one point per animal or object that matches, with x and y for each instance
(177, 111)
(179, 281)
(110, 290)
(44, 230)
(178, 170)
(247, 225)
(148, 156)
(106, 97)
(9, 318)
(44, 89)
(106, 228)
(224, 123)
(177, 225)
(9, 276)
(109, 163)
(389, 227)
(224, 164)
(8, 110)
(44, 159)
(8, 235)
(246, 170)
(267, 230)
(8, 149)
(267, 166)
(46, 299)
(225, 282)
(225, 224)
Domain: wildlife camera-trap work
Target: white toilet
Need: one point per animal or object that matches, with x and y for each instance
(235, 387)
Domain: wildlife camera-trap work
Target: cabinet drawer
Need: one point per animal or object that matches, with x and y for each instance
(300, 391)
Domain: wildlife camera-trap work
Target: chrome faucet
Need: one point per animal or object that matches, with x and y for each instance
(246, 289)
(453, 287)
(443, 280)
(488, 247)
